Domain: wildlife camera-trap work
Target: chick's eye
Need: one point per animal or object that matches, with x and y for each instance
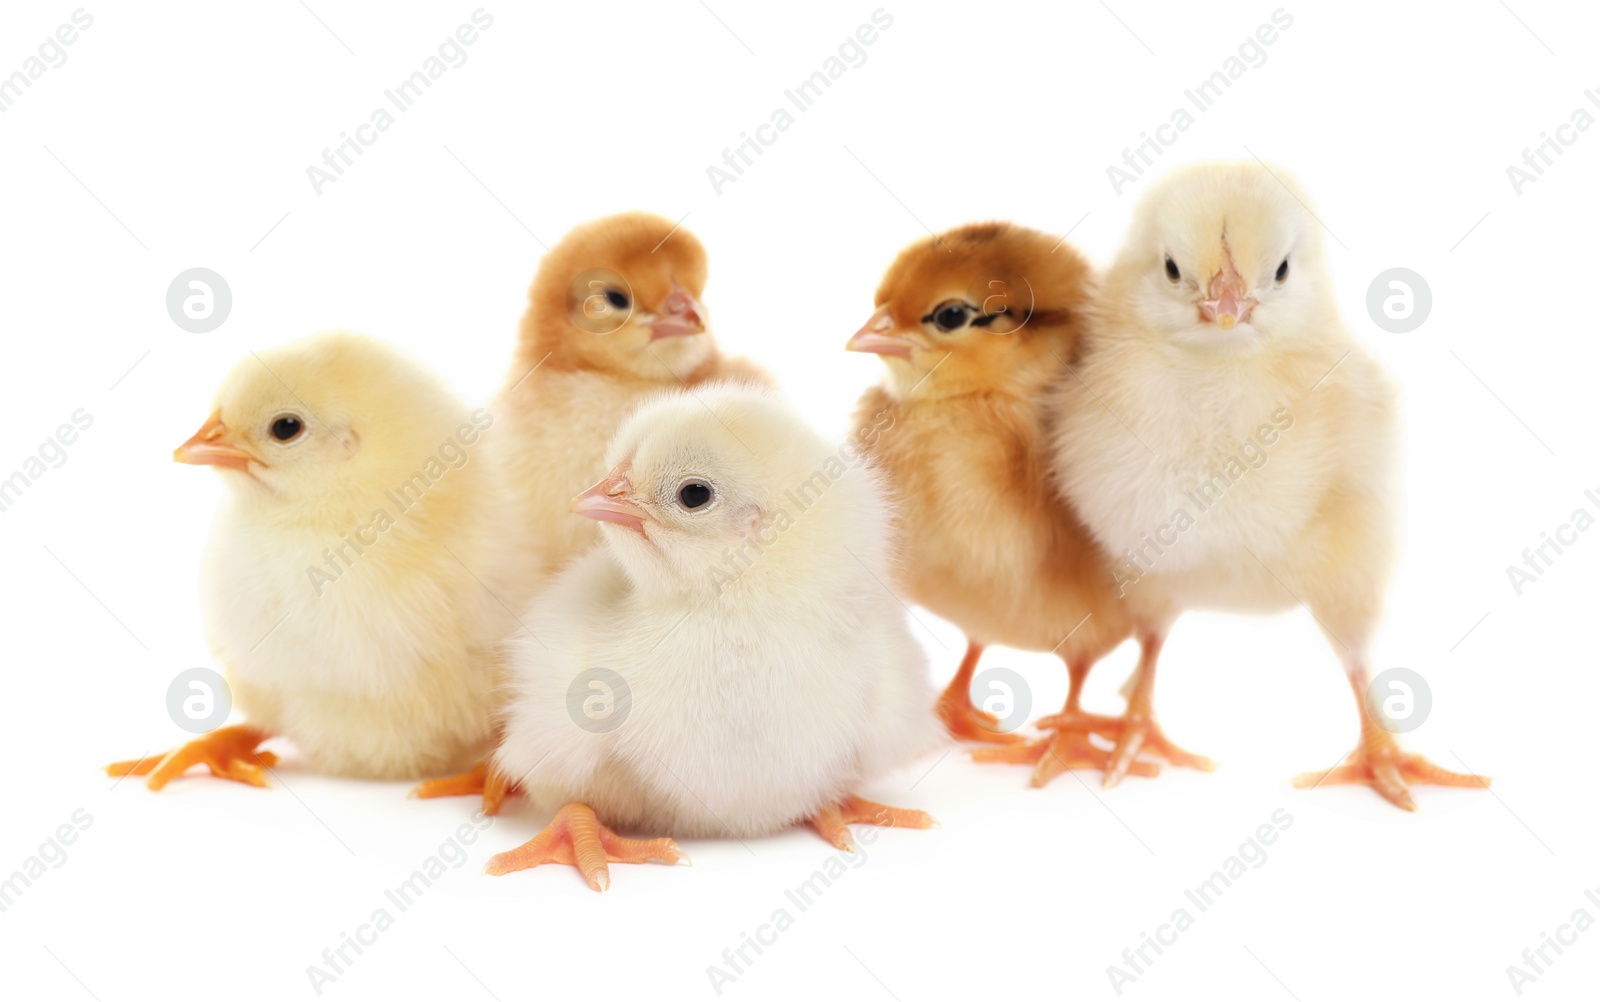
(694, 494)
(616, 299)
(1172, 270)
(287, 428)
(1283, 270)
(950, 318)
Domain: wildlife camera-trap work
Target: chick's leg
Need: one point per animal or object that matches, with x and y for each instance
(229, 752)
(1379, 763)
(1067, 747)
(482, 779)
(833, 822)
(964, 721)
(1136, 730)
(577, 838)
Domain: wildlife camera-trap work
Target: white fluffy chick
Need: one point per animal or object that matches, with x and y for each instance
(1229, 442)
(347, 585)
(729, 662)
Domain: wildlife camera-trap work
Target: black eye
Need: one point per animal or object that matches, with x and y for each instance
(286, 428)
(950, 318)
(1172, 270)
(616, 299)
(1283, 270)
(694, 494)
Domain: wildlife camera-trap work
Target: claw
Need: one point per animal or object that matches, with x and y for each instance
(576, 837)
(833, 822)
(229, 752)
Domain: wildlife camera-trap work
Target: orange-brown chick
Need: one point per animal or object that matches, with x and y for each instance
(975, 326)
(614, 315)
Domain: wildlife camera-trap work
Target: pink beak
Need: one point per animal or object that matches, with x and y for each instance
(1227, 305)
(877, 337)
(608, 501)
(210, 446)
(681, 314)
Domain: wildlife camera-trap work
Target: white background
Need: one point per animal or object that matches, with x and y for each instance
(178, 136)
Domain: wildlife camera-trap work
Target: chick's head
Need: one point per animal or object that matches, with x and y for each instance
(621, 294)
(723, 483)
(324, 421)
(1223, 257)
(981, 306)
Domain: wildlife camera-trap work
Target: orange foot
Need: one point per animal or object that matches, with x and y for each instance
(1064, 749)
(966, 722)
(833, 822)
(577, 838)
(229, 752)
(1379, 763)
(483, 779)
(1132, 734)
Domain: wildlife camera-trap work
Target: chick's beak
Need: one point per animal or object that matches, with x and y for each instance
(210, 446)
(1227, 304)
(877, 337)
(681, 314)
(609, 501)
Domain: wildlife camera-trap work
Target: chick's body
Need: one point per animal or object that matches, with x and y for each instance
(756, 696)
(614, 315)
(1228, 440)
(986, 543)
(975, 326)
(336, 587)
(1280, 493)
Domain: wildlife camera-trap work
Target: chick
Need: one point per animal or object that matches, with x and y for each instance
(730, 662)
(348, 582)
(614, 314)
(1229, 441)
(974, 325)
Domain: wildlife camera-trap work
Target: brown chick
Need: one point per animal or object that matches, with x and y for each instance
(975, 326)
(614, 315)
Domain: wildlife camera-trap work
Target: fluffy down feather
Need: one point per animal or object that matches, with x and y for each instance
(336, 584)
(614, 315)
(769, 671)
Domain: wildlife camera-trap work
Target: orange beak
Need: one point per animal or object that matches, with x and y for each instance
(608, 501)
(1227, 305)
(210, 446)
(681, 314)
(877, 337)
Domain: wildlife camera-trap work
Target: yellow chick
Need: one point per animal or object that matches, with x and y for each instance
(614, 315)
(1229, 442)
(729, 661)
(347, 585)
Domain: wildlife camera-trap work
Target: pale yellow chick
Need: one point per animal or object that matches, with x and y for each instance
(348, 585)
(1229, 442)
